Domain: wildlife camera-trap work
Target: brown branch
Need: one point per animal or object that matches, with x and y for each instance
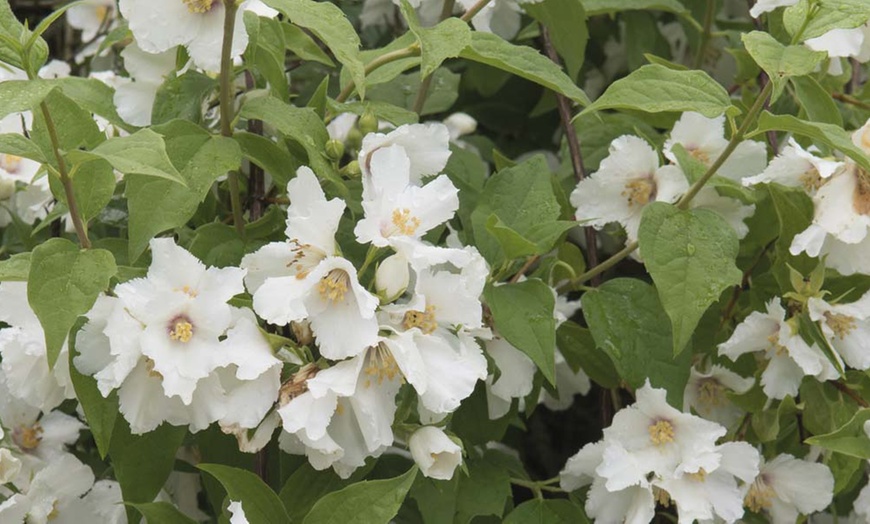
(849, 393)
(256, 177)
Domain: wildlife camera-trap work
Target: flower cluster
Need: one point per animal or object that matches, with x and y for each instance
(654, 454)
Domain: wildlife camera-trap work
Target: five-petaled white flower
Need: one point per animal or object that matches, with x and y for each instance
(787, 487)
(706, 394)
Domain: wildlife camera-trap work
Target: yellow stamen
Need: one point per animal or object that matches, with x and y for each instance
(812, 180)
(334, 285)
(425, 320)
(640, 191)
(380, 365)
(199, 6)
(405, 222)
(661, 496)
(10, 163)
(699, 155)
(28, 437)
(182, 331)
(662, 432)
(149, 367)
(710, 392)
(840, 324)
(699, 476)
(189, 291)
(759, 497)
(774, 343)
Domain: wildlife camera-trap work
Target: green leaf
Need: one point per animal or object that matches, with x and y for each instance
(401, 92)
(298, 42)
(779, 61)
(831, 135)
(446, 40)
(578, 347)
(261, 504)
(691, 256)
(816, 102)
(794, 209)
(142, 463)
(768, 423)
(266, 52)
(301, 125)
(13, 31)
(628, 322)
(19, 145)
(366, 502)
(271, 157)
(522, 199)
(21, 95)
(549, 511)
(62, 284)
(100, 412)
(850, 439)
(73, 127)
(93, 187)
(15, 268)
(218, 245)
(182, 97)
(523, 315)
(332, 27)
(655, 88)
(157, 205)
(486, 488)
(566, 22)
(830, 14)
(305, 487)
(524, 62)
(142, 153)
(601, 7)
(162, 513)
(93, 96)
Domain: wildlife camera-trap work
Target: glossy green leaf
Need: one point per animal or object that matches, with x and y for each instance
(366, 502)
(260, 503)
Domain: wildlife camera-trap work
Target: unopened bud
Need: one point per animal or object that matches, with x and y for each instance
(334, 150)
(368, 123)
(391, 278)
(7, 189)
(351, 170)
(353, 140)
(459, 124)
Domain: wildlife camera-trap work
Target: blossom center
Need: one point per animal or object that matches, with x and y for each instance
(710, 392)
(28, 437)
(639, 191)
(811, 180)
(380, 365)
(189, 291)
(405, 222)
(333, 287)
(424, 320)
(759, 497)
(180, 329)
(774, 343)
(10, 163)
(861, 198)
(661, 432)
(698, 476)
(305, 256)
(199, 6)
(699, 154)
(840, 324)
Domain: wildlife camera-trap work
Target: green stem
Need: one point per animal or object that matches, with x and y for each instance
(423, 92)
(709, 14)
(226, 108)
(386, 58)
(537, 486)
(371, 255)
(476, 8)
(686, 199)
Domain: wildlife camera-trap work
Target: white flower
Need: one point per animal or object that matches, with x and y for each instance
(460, 124)
(846, 327)
(425, 145)
(341, 125)
(516, 379)
(53, 495)
(304, 279)
(796, 167)
(764, 6)
(91, 16)
(706, 394)
(10, 466)
(699, 496)
(107, 503)
(787, 487)
(436, 454)
(25, 361)
(20, 194)
(789, 357)
(843, 43)
(626, 181)
(634, 504)
(704, 139)
(238, 513)
(650, 436)
(862, 504)
(395, 203)
(732, 210)
(344, 413)
(501, 17)
(177, 350)
(135, 100)
(160, 25)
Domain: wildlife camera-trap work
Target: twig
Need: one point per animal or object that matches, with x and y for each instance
(392, 56)
(849, 99)
(423, 92)
(851, 394)
(256, 178)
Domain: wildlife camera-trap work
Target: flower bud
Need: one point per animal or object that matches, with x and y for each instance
(391, 278)
(351, 170)
(353, 140)
(368, 123)
(459, 124)
(334, 150)
(7, 189)
(435, 453)
(9, 466)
